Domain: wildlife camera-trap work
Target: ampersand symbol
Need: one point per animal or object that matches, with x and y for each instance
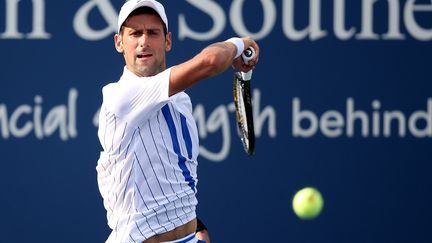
(81, 20)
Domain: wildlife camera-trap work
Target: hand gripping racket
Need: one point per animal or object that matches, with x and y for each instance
(243, 104)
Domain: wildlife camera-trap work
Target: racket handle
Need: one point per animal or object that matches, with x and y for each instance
(246, 76)
(247, 55)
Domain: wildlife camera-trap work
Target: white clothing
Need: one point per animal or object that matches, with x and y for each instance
(147, 172)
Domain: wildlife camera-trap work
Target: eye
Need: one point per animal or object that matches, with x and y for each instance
(136, 34)
(153, 32)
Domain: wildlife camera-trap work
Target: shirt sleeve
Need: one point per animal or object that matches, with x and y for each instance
(137, 98)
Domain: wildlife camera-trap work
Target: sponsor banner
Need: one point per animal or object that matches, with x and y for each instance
(342, 101)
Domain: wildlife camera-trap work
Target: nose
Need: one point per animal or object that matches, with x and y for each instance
(143, 40)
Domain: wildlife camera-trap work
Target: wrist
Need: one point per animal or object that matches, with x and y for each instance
(239, 45)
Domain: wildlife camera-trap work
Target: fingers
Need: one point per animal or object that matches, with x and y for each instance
(255, 60)
(249, 42)
(239, 65)
(238, 62)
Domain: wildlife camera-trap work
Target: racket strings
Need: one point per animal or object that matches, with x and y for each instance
(241, 100)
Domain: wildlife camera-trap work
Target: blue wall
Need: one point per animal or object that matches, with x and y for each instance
(343, 103)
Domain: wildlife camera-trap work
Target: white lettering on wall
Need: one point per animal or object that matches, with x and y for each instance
(267, 114)
(339, 21)
(219, 124)
(217, 121)
(313, 31)
(269, 13)
(400, 14)
(333, 124)
(412, 26)
(394, 22)
(38, 21)
(81, 24)
(27, 118)
(367, 21)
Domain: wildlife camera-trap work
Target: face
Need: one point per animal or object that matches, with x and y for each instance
(144, 44)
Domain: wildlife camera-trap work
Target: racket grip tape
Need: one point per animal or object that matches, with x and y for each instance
(248, 54)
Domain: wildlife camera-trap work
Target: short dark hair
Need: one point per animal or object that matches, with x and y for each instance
(144, 10)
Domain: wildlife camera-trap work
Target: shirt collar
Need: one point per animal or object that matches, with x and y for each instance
(128, 75)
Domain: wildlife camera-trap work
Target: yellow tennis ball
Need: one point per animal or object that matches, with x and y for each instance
(307, 203)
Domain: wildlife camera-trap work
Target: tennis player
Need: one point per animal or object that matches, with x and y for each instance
(147, 171)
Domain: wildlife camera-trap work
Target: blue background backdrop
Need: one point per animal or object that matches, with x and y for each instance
(376, 188)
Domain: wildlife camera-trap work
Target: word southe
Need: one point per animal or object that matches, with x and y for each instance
(403, 20)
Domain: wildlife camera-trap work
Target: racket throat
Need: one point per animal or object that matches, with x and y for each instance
(246, 76)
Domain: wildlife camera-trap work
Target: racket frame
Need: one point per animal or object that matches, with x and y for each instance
(247, 135)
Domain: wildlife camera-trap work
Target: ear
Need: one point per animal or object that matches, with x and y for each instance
(168, 42)
(118, 43)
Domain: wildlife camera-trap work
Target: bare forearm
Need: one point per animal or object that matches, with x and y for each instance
(211, 61)
(218, 57)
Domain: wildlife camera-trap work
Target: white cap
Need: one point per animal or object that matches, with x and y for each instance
(130, 5)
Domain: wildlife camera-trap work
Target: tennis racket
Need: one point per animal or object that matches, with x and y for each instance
(243, 105)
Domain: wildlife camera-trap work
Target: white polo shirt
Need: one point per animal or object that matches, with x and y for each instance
(147, 172)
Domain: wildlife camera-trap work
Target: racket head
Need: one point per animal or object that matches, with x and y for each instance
(244, 116)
